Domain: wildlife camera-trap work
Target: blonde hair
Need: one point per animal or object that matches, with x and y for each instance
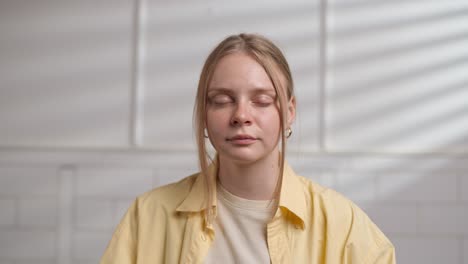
(270, 57)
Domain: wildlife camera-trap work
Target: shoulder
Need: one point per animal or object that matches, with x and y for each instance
(332, 203)
(345, 224)
(166, 197)
(137, 228)
(329, 203)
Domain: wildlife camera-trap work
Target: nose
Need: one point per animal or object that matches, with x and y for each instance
(241, 115)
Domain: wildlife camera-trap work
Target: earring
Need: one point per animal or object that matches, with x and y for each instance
(288, 132)
(205, 133)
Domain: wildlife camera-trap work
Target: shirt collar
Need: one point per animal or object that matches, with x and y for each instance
(291, 197)
(195, 200)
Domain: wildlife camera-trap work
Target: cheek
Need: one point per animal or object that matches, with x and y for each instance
(271, 123)
(215, 121)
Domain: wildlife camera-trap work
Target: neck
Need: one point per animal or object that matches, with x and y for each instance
(253, 181)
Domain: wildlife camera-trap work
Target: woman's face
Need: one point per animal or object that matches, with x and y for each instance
(243, 119)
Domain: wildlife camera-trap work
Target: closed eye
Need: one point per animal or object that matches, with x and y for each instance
(263, 100)
(221, 99)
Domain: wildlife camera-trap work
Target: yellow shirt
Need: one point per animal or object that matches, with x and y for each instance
(313, 224)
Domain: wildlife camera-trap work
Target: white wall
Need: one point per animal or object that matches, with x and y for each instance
(96, 104)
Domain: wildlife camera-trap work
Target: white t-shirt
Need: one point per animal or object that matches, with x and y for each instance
(240, 229)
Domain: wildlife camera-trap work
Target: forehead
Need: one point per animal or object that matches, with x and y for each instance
(240, 71)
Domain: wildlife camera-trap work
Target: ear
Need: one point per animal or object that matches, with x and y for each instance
(291, 110)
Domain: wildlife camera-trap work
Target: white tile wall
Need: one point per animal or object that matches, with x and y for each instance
(18, 181)
(324, 178)
(427, 249)
(74, 54)
(33, 261)
(397, 76)
(8, 216)
(27, 243)
(89, 246)
(444, 219)
(387, 215)
(164, 176)
(465, 251)
(357, 186)
(38, 212)
(464, 187)
(68, 170)
(118, 182)
(438, 186)
(94, 214)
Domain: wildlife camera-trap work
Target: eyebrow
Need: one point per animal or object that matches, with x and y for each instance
(229, 91)
(219, 89)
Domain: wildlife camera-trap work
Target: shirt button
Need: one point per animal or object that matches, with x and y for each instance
(203, 237)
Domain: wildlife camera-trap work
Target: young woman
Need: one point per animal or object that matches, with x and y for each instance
(246, 205)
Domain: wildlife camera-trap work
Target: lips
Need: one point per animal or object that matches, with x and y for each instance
(242, 139)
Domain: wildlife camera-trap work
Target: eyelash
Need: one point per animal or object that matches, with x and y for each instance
(260, 102)
(263, 104)
(213, 101)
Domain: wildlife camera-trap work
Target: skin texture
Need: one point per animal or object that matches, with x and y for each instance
(243, 125)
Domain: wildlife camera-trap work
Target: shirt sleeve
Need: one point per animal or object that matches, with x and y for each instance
(385, 255)
(123, 245)
(366, 242)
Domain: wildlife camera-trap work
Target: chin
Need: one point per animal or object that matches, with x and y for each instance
(242, 157)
